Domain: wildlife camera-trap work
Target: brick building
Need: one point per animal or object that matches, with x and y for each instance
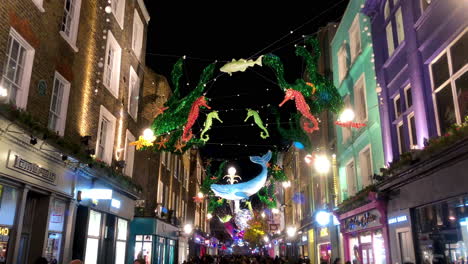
(74, 68)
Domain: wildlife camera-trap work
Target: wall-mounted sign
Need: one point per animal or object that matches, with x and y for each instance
(398, 219)
(42, 88)
(34, 169)
(324, 232)
(361, 221)
(4, 234)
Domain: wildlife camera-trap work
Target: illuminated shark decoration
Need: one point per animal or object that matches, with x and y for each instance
(243, 190)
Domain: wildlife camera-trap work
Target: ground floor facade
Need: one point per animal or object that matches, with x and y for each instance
(48, 208)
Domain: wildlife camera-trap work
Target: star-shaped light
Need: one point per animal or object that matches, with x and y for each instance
(179, 146)
(141, 142)
(220, 200)
(162, 143)
(213, 178)
(197, 199)
(276, 168)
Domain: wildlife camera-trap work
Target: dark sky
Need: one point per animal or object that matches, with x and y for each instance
(223, 30)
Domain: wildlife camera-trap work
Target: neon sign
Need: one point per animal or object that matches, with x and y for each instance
(398, 219)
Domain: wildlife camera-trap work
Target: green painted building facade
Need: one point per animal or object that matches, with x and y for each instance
(359, 151)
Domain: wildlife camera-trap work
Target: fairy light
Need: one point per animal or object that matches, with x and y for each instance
(119, 149)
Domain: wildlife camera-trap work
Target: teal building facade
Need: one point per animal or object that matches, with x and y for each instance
(359, 151)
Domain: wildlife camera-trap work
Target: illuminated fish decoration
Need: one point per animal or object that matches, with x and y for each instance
(244, 190)
(240, 65)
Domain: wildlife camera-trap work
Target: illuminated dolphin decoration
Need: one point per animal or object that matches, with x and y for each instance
(243, 190)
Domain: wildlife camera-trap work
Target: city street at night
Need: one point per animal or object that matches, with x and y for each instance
(197, 132)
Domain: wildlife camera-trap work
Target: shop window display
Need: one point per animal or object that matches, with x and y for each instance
(367, 248)
(54, 239)
(8, 203)
(442, 231)
(143, 247)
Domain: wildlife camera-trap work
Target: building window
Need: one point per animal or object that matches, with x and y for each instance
(450, 84)
(397, 106)
(59, 104)
(138, 31)
(412, 131)
(121, 243)
(70, 21)
(133, 94)
(351, 178)
(400, 137)
(129, 154)
(425, 4)
(355, 38)
(118, 9)
(342, 62)
(112, 65)
(346, 131)
(365, 162)
(54, 240)
(106, 133)
(92, 241)
(143, 247)
(39, 5)
(14, 85)
(360, 102)
(394, 25)
(408, 97)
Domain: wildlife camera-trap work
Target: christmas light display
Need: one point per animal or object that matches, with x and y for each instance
(208, 123)
(252, 113)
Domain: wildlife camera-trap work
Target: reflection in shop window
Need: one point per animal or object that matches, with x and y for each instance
(143, 247)
(442, 231)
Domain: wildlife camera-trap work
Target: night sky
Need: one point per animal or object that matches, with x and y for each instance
(221, 31)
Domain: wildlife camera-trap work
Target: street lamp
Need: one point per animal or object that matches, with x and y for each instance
(148, 135)
(291, 231)
(200, 195)
(188, 229)
(347, 115)
(286, 184)
(263, 215)
(266, 239)
(322, 164)
(232, 171)
(209, 216)
(275, 210)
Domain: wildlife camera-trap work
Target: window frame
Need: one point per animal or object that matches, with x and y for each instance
(413, 145)
(363, 87)
(355, 30)
(368, 147)
(21, 99)
(390, 19)
(110, 137)
(137, 37)
(131, 89)
(73, 35)
(114, 80)
(453, 77)
(129, 161)
(408, 87)
(395, 106)
(119, 14)
(342, 57)
(355, 190)
(39, 4)
(64, 103)
(346, 132)
(400, 138)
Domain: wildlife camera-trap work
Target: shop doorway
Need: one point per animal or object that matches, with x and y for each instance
(367, 254)
(33, 228)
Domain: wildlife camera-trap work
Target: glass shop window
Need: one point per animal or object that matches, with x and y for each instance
(8, 201)
(54, 239)
(92, 242)
(144, 247)
(442, 231)
(121, 243)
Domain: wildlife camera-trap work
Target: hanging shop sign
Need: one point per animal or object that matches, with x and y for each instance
(324, 232)
(4, 234)
(398, 219)
(361, 221)
(33, 169)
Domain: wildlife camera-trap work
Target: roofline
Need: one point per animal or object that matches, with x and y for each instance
(144, 10)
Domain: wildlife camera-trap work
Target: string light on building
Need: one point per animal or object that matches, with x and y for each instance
(322, 164)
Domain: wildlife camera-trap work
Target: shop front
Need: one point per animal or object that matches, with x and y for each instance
(102, 221)
(153, 240)
(365, 232)
(36, 200)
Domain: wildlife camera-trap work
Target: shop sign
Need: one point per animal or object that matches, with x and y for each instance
(324, 232)
(360, 221)
(34, 169)
(4, 234)
(398, 219)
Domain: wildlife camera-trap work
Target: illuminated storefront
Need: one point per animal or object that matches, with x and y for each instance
(364, 232)
(8, 203)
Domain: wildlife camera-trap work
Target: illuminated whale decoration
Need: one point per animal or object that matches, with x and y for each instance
(243, 190)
